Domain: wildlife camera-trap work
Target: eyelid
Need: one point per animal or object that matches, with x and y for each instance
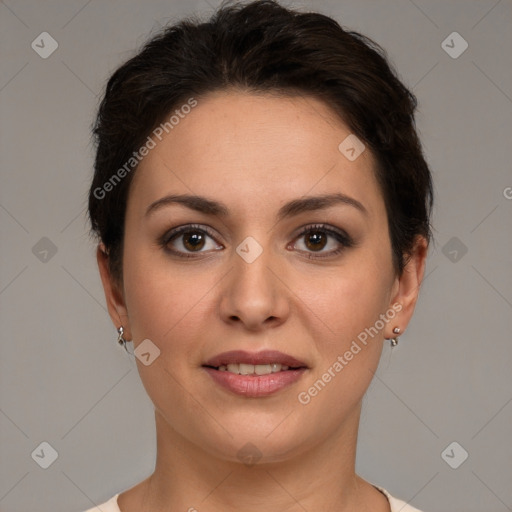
(178, 230)
(327, 228)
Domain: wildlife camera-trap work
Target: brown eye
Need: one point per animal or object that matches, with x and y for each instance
(316, 240)
(187, 240)
(193, 240)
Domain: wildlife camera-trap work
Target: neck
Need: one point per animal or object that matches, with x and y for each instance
(320, 477)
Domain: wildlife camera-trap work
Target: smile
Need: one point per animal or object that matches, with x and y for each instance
(253, 369)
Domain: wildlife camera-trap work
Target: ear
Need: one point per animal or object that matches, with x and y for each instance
(114, 296)
(407, 286)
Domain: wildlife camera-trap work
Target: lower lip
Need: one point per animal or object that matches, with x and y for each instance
(255, 386)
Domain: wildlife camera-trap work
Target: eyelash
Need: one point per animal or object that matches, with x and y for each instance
(343, 238)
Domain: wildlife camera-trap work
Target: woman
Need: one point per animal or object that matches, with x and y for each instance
(262, 206)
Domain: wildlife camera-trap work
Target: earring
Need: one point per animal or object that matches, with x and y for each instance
(394, 341)
(120, 338)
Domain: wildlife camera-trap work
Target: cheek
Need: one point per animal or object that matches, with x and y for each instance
(347, 344)
(345, 311)
(169, 307)
(348, 300)
(165, 303)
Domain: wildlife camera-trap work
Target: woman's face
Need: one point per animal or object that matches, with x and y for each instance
(243, 276)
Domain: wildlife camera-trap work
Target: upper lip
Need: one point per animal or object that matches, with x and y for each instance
(262, 357)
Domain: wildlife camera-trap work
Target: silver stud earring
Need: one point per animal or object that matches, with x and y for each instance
(120, 338)
(394, 341)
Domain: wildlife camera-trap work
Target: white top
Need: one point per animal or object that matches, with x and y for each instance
(395, 505)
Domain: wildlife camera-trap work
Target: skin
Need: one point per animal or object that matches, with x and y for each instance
(254, 153)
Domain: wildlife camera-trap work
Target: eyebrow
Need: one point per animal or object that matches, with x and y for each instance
(295, 207)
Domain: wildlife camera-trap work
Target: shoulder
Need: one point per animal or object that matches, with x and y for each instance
(108, 506)
(395, 504)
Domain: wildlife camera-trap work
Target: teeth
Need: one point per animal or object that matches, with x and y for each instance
(244, 369)
(253, 369)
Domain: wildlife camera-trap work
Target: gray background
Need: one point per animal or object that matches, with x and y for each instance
(64, 380)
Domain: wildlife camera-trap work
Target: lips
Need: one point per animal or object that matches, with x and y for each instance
(256, 358)
(254, 375)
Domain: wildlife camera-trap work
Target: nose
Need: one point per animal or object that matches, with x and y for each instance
(254, 295)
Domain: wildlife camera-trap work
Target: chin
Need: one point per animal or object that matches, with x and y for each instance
(256, 441)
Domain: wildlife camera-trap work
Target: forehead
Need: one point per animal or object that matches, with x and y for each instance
(255, 149)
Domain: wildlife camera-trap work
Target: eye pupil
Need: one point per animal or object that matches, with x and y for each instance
(193, 240)
(315, 238)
